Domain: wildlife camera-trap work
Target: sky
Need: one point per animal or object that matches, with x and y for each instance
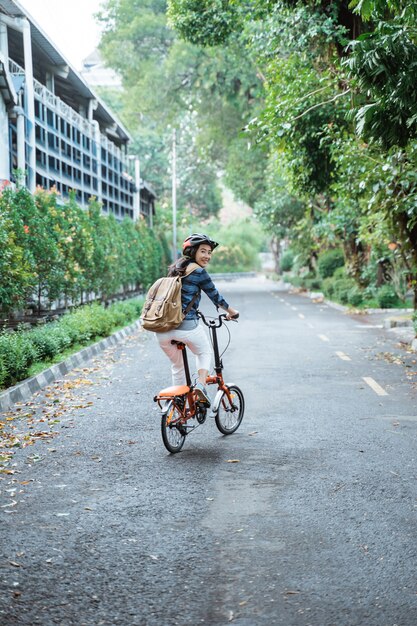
(69, 24)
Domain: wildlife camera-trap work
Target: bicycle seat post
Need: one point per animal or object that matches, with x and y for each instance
(181, 346)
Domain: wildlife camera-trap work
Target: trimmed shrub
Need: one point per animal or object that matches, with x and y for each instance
(328, 287)
(386, 297)
(313, 284)
(342, 287)
(340, 273)
(355, 296)
(287, 261)
(50, 340)
(329, 261)
(17, 353)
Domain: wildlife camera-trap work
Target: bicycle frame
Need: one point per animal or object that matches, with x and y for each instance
(177, 392)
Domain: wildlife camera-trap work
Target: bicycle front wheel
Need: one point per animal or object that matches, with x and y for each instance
(173, 431)
(230, 414)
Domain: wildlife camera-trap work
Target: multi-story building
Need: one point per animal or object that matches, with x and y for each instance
(55, 131)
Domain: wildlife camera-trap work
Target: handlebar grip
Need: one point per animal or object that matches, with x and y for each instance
(234, 317)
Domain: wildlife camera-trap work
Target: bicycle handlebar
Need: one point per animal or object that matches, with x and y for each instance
(220, 319)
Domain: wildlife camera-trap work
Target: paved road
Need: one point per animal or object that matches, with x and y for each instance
(315, 526)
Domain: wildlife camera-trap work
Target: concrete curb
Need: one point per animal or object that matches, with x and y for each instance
(394, 324)
(24, 390)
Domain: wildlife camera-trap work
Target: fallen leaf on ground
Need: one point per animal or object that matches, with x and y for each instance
(233, 461)
(291, 593)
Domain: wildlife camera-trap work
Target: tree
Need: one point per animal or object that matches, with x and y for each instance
(16, 271)
(207, 94)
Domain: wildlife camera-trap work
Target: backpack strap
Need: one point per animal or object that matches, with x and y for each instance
(191, 267)
(189, 270)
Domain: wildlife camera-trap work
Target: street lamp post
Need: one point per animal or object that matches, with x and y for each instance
(174, 195)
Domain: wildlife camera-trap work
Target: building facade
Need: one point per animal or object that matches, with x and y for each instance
(55, 131)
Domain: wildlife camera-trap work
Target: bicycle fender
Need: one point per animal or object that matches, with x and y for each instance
(216, 402)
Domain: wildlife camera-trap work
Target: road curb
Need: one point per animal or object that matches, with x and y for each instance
(24, 390)
(392, 324)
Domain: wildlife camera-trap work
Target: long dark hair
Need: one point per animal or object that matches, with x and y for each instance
(178, 268)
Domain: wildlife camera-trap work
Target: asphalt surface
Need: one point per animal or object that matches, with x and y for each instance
(315, 525)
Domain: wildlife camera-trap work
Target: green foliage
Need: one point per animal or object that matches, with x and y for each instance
(283, 72)
(245, 171)
(287, 261)
(386, 297)
(17, 353)
(277, 209)
(328, 287)
(16, 269)
(206, 94)
(313, 284)
(204, 22)
(355, 296)
(329, 261)
(50, 250)
(384, 66)
(49, 340)
(240, 244)
(342, 288)
(21, 349)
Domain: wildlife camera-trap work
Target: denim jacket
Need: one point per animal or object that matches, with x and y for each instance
(194, 283)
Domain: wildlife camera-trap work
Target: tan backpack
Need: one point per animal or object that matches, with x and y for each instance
(162, 310)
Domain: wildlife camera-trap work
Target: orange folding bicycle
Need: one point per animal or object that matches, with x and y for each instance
(182, 412)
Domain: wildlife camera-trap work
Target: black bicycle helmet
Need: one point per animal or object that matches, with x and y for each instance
(195, 240)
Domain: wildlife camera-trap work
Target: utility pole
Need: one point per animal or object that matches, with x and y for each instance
(174, 195)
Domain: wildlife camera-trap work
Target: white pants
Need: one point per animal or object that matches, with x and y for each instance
(196, 340)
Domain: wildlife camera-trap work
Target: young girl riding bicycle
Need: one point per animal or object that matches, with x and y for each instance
(197, 248)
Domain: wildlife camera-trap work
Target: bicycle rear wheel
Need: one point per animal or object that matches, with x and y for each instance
(230, 415)
(173, 431)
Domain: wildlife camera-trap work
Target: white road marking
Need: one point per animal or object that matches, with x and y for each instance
(324, 338)
(301, 316)
(366, 326)
(310, 325)
(294, 308)
(374, 385)
(343, 356)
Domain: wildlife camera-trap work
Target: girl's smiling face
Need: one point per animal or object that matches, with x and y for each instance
(203, 255)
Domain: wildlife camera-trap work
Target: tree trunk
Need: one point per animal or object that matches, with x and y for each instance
(275, 247)
(39, 298)
(415, 293)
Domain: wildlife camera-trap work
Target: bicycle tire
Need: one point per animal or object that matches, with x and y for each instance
(173, 433)
(228, 419)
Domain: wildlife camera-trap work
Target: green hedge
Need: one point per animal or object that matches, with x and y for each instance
(21, 349)
(386, 297)
(287, 261)
(51, 249)
(329, 261)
